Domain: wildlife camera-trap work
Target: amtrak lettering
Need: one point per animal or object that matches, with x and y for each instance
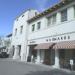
(58, 38)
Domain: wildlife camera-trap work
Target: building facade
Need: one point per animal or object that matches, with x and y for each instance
(5, 44)
(48, 37)
(20, 32)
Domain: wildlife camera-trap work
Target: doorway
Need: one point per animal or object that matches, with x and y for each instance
(47, 57)
(19, 50)
(32, 54)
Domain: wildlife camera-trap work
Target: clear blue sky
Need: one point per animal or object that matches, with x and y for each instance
(10, 9)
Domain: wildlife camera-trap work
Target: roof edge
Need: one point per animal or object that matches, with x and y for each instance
(51, 9)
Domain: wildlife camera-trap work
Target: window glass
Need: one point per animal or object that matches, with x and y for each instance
(21, 29)
(15, 31)
(17, 19)
(38, 25)
(22, 15)
(74, 10)
(33, 27)
(52, 20)
(64, 15)
(35, 13)
(49, 21)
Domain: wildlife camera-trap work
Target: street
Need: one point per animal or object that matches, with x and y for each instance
(8, 67)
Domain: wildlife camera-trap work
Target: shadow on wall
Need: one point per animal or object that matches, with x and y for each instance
(51, 72)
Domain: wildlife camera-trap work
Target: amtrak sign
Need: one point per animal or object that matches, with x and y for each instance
(59, 38)
(49, 39)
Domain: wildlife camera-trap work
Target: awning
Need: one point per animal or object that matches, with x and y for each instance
(65, 45)
(44, 46)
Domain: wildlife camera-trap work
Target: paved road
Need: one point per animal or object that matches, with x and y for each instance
(8, 67)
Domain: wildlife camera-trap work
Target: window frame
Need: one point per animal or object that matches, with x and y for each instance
(38, 25)
(51, 20)
(74, 11)
(33, 27)
(15, 31)
(23, 15)
(64, 15)
(21, 29)
(54, 18)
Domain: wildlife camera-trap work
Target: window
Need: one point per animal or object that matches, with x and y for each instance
(21, 29)
(38, 25)
(15, 31)
(35, 13)
(33, 27)
(49, 21)
(52, 20)
(22, 15)
(64, 15)
(17, 19)
(74, 10)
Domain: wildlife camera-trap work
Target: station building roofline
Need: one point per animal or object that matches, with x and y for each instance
(23, 13)
(9, 35)
(51, 9)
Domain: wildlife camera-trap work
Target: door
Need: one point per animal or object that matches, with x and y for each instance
(19, 53)
(47, 57)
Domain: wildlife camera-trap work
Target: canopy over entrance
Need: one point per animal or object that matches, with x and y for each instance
(65, 45)
(44, 46)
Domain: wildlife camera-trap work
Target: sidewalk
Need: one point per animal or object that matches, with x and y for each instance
(41, 65)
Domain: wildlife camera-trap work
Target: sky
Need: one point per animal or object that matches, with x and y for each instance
(10, 9)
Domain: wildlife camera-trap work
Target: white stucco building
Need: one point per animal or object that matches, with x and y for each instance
(20, 32)
(48, 37)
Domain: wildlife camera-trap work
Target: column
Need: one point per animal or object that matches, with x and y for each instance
(24, 52)
(56, 65)
(16, 56)
(42, 56)
(27, 52)
(38, 56)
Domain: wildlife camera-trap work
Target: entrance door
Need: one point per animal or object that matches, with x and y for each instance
(47, 57)
(32, 53)
(19, 52)
(62, 58)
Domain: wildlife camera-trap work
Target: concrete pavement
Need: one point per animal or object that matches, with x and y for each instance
(8, 67)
